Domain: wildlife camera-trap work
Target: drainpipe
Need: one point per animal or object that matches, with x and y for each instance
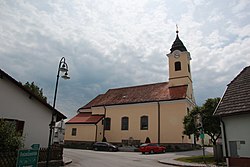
(159, 123)
(224, 136)
(103, 134)
(95, 132)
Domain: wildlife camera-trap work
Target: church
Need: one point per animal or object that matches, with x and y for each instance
(130, 115)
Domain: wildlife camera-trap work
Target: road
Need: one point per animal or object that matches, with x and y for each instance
(89, 158)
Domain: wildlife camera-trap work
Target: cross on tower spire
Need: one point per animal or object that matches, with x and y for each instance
(178, 45)
(177, 31)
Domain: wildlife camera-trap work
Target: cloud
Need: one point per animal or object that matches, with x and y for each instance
(239, 6)
(109, 44)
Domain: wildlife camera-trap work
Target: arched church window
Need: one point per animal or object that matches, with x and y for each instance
(177, 66)
(107, 123)
(188, 68)
(144, 122)
(124, 123)
(73, 131)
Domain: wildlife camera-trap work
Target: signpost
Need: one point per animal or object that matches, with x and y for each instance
(28, 157)
(202, 136)
(35, 146)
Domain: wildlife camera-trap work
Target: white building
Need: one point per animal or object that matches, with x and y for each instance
(31, 114)
(59, 132)
(234, 110)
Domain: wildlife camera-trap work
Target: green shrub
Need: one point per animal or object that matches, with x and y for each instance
(10, 139)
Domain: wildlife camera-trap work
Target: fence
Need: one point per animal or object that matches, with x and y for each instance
(55, 154)
(8, 159)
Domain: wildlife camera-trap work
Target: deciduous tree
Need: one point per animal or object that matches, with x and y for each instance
(36, 90)
(190, 123)
(211, 123)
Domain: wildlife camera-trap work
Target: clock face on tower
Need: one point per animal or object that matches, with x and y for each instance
(176, 54)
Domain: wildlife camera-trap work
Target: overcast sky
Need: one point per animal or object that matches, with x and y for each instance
(117, 43)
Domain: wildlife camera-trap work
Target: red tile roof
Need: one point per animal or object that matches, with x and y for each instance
(85, 118)
(236, 99)
(139, 94)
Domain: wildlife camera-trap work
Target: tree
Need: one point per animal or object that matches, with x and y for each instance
(36, 90)
(189, 122)
(10, 139)
(211, 123)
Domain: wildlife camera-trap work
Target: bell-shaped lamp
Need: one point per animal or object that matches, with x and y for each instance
(63, 68)
(66, 76)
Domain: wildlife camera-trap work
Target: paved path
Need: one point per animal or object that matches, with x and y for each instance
(90, 158)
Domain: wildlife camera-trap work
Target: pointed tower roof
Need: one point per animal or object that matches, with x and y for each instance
(178, 45)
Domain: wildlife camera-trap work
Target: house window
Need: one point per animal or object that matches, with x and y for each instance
(124, 123)
(19, 125)
(73, 132)
(144, 123)
(188, 111)
(107, 123)
(177, 66)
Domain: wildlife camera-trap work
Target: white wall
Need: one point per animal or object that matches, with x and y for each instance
(16, 104)
(238, 129)
(59, 132)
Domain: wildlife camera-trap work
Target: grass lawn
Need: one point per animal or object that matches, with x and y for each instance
(198, 159)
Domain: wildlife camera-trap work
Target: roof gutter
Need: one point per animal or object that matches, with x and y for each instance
(139, 102)
(159, 123)
(105, 110)
(191, 101)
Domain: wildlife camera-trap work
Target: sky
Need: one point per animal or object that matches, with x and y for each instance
(119, 43)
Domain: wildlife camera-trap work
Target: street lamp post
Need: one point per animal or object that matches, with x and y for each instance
(63, 67)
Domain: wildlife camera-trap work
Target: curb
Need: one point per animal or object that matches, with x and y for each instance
(183, 165)
(167, 163)
(66, 162)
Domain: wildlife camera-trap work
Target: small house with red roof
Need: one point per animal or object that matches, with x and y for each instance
(234, 110)
(132, 114)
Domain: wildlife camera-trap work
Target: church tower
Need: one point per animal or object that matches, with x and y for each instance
(179, 66)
